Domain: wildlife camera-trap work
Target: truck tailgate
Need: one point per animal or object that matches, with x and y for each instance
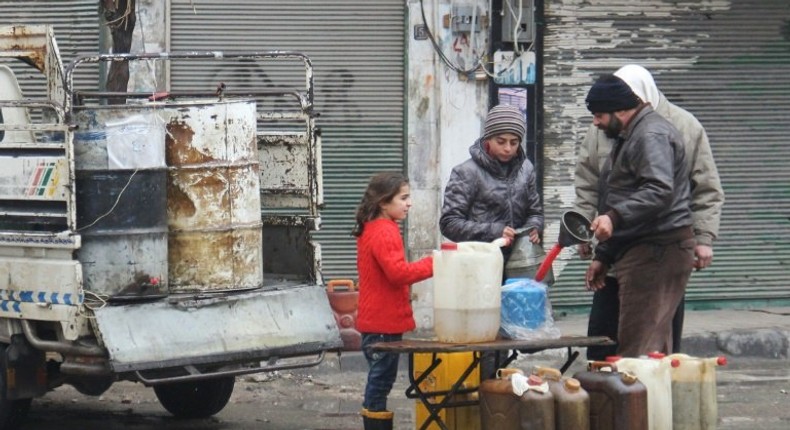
(215, 328)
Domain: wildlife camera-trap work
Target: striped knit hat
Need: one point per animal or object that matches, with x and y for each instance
(504, 119)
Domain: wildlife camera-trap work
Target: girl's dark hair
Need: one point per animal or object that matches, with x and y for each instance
(382, 188)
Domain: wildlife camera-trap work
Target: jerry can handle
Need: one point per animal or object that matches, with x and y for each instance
(334, 283)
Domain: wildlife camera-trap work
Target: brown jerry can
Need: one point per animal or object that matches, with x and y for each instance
(571, 401)
(618, 401)
(502, 409)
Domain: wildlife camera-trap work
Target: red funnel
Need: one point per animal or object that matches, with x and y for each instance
(574, 229)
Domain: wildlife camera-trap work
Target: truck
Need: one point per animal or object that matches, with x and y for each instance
(161, 238)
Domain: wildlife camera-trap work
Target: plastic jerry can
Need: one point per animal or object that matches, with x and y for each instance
(537, 406)
(467, 281)
(618, 401)
(694, 404)
(655, 374)
(344, 301)
(441, 379)
(571, 401)
(499, 405)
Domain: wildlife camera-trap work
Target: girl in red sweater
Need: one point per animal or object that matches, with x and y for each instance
(385, 277)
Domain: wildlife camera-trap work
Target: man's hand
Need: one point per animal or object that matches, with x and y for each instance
(534, 237)
(596, 273)
(509, 234)
(584, 250)
(602, 227)
(703, 256)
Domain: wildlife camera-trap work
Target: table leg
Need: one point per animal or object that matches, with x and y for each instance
(414, 391)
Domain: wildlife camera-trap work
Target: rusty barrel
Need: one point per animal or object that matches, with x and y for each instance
(213, 196)
(121, 201)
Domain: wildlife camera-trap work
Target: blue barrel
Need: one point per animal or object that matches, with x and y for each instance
(523, 304)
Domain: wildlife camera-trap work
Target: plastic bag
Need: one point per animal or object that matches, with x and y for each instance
(526, 311)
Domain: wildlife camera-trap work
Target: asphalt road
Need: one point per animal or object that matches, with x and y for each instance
(752, 394)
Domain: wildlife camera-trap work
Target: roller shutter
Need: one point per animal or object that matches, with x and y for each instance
(76, 26)
(357, 49)
(727, 62)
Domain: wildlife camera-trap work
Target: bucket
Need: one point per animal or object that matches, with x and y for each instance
(344, 301)
(467, 279)
(500, 407)
(121, 201)
(525, 259)
(618, 401)
(571, 401)
(654, 373)
(213, 197)
(694, 404)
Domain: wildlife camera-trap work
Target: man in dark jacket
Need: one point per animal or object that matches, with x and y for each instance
(494, 192)
(644, 221)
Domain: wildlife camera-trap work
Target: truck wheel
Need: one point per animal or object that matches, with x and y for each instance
(13, 412)
(198, 399)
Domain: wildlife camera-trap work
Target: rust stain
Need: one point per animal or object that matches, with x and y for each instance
(179, 204)
(178, 145)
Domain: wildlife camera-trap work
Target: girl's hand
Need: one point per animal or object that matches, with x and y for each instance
(534, 237)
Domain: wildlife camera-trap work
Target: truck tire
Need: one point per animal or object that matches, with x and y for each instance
(13, 412)
(198, 399)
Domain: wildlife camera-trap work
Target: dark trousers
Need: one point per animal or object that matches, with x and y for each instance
(382, 371)
(604, 316)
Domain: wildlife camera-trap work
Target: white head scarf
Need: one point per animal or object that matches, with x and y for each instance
(641, 83)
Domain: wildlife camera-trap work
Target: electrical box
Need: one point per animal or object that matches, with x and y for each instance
(524, 28)
(466, 19)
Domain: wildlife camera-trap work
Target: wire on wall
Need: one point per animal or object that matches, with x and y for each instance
(476, 64)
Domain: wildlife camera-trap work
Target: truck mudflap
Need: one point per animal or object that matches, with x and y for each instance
(218, 329)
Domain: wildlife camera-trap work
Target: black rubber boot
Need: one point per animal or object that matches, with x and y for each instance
(374, 420)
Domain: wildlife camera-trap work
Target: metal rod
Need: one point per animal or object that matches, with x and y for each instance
(66, 348)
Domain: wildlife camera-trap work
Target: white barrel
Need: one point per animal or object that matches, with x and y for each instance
(467, 280)
(654, 373)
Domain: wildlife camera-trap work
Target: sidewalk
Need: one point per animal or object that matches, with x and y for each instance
(759, 332)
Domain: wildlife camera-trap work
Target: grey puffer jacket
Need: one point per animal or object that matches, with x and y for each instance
(644, 184)
(483, 196)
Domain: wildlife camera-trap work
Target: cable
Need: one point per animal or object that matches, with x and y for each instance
(118, 199)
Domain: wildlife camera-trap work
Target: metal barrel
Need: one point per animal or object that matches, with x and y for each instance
(121, 197)
(213, 197)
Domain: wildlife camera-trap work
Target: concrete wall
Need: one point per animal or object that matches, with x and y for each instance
(445, 114)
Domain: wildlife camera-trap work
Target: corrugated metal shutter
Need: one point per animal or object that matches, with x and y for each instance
(76, 25)
(357, 49)
(726, 62)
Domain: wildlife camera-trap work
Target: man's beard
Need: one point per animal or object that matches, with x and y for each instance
(613, 129)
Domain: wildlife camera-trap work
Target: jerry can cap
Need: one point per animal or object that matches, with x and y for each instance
(656, 354)
(573, 385)
(449, 246)
(534, 380)
(612, 358)
(628, 378)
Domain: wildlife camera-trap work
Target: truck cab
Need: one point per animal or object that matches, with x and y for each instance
(159, 238)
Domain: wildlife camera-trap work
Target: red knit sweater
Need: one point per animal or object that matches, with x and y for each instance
(384, 279)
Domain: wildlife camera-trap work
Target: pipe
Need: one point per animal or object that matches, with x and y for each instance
(546, 264)
(66, 348)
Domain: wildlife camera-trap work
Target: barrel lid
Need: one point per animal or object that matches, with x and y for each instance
(612, 358)
(656, 354)
(449, 246)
